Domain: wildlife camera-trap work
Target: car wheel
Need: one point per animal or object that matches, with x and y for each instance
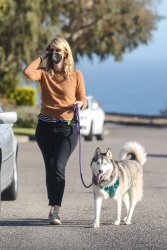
(100, 137)
(90, 135)
(11, 192)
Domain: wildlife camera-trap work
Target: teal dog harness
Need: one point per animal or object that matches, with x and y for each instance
(111, 189)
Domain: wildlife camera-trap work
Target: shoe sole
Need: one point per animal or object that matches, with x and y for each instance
(55, 222)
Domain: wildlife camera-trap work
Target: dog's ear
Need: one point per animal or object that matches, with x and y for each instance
(95, 157)
(97, 152)
(109, 153)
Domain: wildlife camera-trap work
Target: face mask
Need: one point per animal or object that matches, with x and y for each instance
(56, 58)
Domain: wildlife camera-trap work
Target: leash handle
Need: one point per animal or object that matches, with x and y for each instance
(76, 117)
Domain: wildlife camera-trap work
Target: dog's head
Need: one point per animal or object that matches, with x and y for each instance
(102, 165)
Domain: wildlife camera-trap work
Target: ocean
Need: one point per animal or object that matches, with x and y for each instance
(134, 86)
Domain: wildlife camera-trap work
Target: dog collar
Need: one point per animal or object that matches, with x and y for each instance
(111, 189)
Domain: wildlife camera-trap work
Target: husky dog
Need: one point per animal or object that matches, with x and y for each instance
(120, 180)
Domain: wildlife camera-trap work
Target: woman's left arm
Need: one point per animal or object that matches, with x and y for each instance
(80, 91)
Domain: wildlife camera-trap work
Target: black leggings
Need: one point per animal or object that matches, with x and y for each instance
(56, 140)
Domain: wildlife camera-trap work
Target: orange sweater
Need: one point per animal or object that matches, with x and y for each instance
(57, 94)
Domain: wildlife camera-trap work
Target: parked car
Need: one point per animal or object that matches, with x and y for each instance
(8, 156)
(92, 120)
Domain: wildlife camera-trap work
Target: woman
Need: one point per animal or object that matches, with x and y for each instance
(62, 86)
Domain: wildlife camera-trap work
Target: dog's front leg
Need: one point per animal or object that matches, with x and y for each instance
(119, 207)
(97, 209)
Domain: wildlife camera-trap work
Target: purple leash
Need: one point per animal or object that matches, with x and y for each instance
(76, 117)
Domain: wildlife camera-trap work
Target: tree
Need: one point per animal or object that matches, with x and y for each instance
(108, 27)
(101, 27)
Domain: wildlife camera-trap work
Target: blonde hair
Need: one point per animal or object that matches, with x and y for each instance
(61, 43)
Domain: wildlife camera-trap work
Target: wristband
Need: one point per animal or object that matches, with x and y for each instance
(40, 57)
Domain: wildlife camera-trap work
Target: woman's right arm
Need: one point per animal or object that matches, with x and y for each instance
(32, 71)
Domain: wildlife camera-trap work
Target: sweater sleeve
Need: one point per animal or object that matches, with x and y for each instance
(80, 91)
(32, 71)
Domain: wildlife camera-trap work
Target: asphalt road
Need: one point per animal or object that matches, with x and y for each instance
(24, 223)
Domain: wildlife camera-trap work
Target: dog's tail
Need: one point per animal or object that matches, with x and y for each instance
(136, 150)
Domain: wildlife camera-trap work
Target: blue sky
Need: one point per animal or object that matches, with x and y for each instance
(138, 84)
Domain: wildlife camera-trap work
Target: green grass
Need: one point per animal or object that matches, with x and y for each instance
(24, 131)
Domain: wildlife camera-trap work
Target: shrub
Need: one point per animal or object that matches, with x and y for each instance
(25, 96)
(27, 116)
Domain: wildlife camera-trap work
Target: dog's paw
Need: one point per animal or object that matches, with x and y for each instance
(127, 222)
(96, 225)
(117, 222)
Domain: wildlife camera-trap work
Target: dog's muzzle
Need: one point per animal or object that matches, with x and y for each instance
(103, 176)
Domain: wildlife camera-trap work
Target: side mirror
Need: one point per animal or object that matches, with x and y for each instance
(8, 117)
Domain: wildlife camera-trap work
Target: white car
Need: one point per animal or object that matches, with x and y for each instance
(92, 120)
(8, 156)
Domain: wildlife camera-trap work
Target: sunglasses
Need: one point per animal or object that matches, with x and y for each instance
(55, 50)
